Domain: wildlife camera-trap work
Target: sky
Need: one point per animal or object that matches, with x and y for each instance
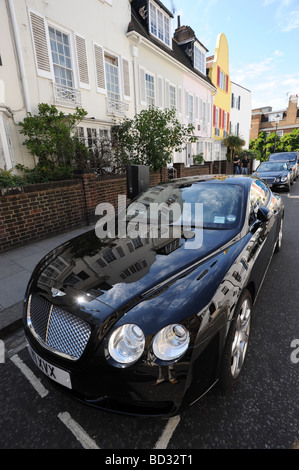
(263, 41)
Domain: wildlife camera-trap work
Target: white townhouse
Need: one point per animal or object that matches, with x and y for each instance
(67, 53)
(240, 118)
(111, 57)
(169, 71)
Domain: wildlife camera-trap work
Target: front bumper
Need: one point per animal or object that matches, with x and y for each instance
(281, 185)
(145, 388)
(142, 389)
(70, 351)
(277, 185)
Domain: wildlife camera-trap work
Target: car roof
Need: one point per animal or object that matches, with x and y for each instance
(285, 154)
(241, 180)
(272, 162)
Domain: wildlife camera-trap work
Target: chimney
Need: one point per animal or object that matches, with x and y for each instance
(294, 99)
(184, 34)
(292, 109)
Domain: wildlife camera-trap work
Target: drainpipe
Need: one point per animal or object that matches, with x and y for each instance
(135, 78)
(17, 40)
(134, 54)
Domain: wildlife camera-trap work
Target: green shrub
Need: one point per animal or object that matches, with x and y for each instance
(50, 136)
(44, 173)
(9, 180)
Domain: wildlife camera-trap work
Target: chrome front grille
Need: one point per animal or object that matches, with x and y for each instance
(269, 180)
(57, 330)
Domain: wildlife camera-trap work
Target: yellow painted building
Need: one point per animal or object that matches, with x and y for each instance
(218, 66)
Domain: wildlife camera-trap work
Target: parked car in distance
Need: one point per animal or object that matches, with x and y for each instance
(291, 157)
(147, 325)
(276, 174)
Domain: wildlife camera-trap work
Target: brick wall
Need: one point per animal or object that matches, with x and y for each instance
(211, 168)
(290, 121)
(183, 172)
(101, 190)
(38, 211)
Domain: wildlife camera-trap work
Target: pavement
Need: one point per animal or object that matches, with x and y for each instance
(16, 267)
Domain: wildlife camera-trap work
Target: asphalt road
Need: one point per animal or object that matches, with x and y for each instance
(262, 413)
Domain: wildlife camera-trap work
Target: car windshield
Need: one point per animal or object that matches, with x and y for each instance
(211, 205)
(286, 157)
(265, 167)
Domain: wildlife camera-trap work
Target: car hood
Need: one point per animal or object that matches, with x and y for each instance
(270, 174)
(99, 276)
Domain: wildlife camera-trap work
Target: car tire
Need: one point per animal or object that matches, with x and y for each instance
(236, 344)
(279, 239)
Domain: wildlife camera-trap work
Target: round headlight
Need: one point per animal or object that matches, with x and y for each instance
(126, 344)
(171, 342)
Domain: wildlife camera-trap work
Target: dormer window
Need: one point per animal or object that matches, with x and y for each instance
(159, 24)
(199, 59)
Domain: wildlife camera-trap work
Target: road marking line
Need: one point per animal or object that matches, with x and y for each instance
(79, 433)
(35, 382)
(17, 349)
(164, 439)
(2, 352)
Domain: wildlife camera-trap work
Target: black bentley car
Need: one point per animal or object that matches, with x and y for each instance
(146, 322)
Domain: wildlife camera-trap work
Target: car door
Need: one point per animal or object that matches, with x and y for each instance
(263, 229)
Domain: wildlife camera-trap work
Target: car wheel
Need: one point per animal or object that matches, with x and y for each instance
(237, 343)
(279, 239)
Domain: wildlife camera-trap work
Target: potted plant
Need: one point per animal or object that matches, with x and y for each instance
(198, 159)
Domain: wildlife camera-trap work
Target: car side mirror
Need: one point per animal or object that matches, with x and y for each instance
(264, 214)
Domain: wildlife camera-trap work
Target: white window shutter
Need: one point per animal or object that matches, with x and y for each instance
(142, 86)
(126, 79)
(167, 91)
(160, 92)
(201, 112)
(100, 68)
(40, 44)
(180, 100)
(186, 104)
(82, 61)
(197, 108)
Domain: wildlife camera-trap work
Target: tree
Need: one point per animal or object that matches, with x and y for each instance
(150, 138)
(272, 142)
(265, 144)
(50, 136)
(234, 143)
(289, 142)
(258, 145)
(251, 154)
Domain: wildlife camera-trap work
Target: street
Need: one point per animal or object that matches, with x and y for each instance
(262, 413)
